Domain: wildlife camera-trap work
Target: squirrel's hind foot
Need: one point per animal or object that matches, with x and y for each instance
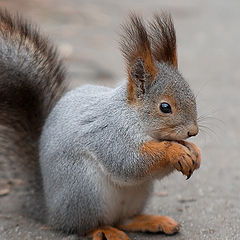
(148, 223)
(108, 233)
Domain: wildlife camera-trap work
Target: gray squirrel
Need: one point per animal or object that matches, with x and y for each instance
(99, 149)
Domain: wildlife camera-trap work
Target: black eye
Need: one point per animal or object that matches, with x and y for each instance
(165, 108)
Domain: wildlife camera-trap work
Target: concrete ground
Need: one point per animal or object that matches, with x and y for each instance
(208, 34)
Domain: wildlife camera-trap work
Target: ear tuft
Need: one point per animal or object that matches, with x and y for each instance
(163, 39)
(135, 47)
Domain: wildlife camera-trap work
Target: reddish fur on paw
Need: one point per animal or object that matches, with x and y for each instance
(156, 152)
(182, 155)
(109, 233)
(188, 157)
(195, 152)
(148, 223)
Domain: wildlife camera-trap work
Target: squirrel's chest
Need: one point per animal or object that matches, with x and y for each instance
(124, 202)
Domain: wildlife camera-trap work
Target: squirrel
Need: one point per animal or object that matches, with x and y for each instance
(97, 149)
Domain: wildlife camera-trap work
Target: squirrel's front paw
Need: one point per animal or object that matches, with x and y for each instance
(184, 156)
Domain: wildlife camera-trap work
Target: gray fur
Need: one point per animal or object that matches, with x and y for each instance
(90, 153)
(88, 147)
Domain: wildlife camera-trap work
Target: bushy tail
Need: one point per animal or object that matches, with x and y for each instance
(31, 82)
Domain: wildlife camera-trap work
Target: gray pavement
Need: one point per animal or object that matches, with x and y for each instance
(208, 34)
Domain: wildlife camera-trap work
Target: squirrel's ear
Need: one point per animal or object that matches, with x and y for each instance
(136, 50)
(163, 39)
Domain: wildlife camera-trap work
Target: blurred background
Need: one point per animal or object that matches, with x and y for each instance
(208, 37)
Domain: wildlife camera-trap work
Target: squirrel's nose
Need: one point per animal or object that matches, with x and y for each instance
(193, 131)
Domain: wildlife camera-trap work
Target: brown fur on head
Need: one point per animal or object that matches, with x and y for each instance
(166, 104)
(141, 51)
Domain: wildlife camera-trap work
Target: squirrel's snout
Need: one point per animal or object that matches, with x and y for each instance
(193, 131)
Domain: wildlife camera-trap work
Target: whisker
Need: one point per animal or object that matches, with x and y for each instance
(205, 118)
(207, 130)
(205, 134)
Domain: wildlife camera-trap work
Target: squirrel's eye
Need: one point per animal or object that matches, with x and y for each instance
(165, 107)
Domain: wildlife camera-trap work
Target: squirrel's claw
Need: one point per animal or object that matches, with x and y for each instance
(189, 174)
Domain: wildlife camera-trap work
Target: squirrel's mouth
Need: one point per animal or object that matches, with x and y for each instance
(177, 139)
(172, 137)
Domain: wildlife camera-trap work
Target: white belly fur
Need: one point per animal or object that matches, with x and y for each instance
(123, 202)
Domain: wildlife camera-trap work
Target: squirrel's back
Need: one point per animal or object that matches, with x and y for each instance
(31, 81)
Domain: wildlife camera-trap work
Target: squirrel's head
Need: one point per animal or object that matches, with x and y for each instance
(164, 100)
